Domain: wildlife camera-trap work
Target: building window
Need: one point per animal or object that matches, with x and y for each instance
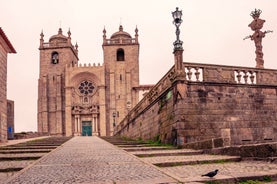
(86, 87)
(55, 58)
(120, 55)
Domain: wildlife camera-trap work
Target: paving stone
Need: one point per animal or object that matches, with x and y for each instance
(90, 160)
(229, 171)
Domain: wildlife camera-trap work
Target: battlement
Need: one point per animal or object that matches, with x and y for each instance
(85, 65)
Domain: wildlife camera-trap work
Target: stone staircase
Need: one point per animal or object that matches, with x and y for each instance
(187, 165)
(14, 158)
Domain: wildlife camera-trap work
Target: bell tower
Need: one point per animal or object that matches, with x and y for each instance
(54, 56)
(121, 61)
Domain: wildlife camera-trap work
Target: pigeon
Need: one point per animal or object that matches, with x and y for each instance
(211, 174)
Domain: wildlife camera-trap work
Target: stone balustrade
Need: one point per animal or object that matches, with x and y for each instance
(120, 41)
(197, 72)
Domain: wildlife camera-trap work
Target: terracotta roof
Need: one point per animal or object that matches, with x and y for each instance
(3, 35)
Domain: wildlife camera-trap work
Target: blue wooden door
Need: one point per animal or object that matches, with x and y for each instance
(86, 128)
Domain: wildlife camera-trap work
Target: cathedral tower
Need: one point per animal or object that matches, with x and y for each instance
(121, 61)
(54, 56)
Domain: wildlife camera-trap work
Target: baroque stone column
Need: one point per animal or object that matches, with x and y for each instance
(256, 25)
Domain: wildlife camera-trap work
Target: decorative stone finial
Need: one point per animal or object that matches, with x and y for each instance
(120, 28)
(69, 33)
(104, 36)
(104, 33)
(41, 35)
(136, 35)
(41, 38)
(76, 46)
(60, 31)
(136, 31)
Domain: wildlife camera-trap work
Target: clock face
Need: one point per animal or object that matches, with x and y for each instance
(86, 87)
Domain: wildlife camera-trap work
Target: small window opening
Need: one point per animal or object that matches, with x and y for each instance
(120, 55)
(55, 58)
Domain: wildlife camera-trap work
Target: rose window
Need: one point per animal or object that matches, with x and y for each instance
(86, 88)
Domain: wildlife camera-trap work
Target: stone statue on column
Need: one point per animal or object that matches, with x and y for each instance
(256, 25)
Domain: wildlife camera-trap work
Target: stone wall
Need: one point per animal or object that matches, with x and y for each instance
(10, 119)
(3, 92)
(236, 105)
(5, 48)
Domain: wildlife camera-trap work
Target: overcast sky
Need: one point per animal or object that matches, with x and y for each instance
(212, 32)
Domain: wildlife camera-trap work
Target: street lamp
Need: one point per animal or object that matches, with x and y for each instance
(114, 115)
(177, 20)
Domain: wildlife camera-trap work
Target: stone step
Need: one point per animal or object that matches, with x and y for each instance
(132, 145)
(34, 144)
(12, 169)
(127, 143)
(148, 148)
(169, 161)
(24, 156)
(19, 158)
(18, 151)
(174, 152)
(26, 147)
(15, 164)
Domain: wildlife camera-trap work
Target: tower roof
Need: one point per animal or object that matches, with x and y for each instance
(59, 36)
(120, 33)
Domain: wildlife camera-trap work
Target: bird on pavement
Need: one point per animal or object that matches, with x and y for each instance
(211, 174)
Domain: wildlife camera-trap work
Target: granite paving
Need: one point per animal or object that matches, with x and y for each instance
(230, 171)
(90, 160)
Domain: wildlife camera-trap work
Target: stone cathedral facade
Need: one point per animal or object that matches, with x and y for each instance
(76, 99)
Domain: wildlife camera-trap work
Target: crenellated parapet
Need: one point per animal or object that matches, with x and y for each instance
(85, 65)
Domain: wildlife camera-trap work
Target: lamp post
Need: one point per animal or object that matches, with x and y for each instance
(178, 49)
(177, 20)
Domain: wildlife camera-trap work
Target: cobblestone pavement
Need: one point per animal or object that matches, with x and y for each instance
(90, 160)
(232, 170)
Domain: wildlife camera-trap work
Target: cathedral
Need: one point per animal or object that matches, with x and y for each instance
(86, 99)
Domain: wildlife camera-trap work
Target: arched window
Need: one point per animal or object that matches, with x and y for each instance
(120, 55)
(55, 58)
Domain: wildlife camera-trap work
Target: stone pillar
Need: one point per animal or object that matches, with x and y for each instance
(68, 112)
(178, 58)
(76, 131)
(79, 125)
(96, 125)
